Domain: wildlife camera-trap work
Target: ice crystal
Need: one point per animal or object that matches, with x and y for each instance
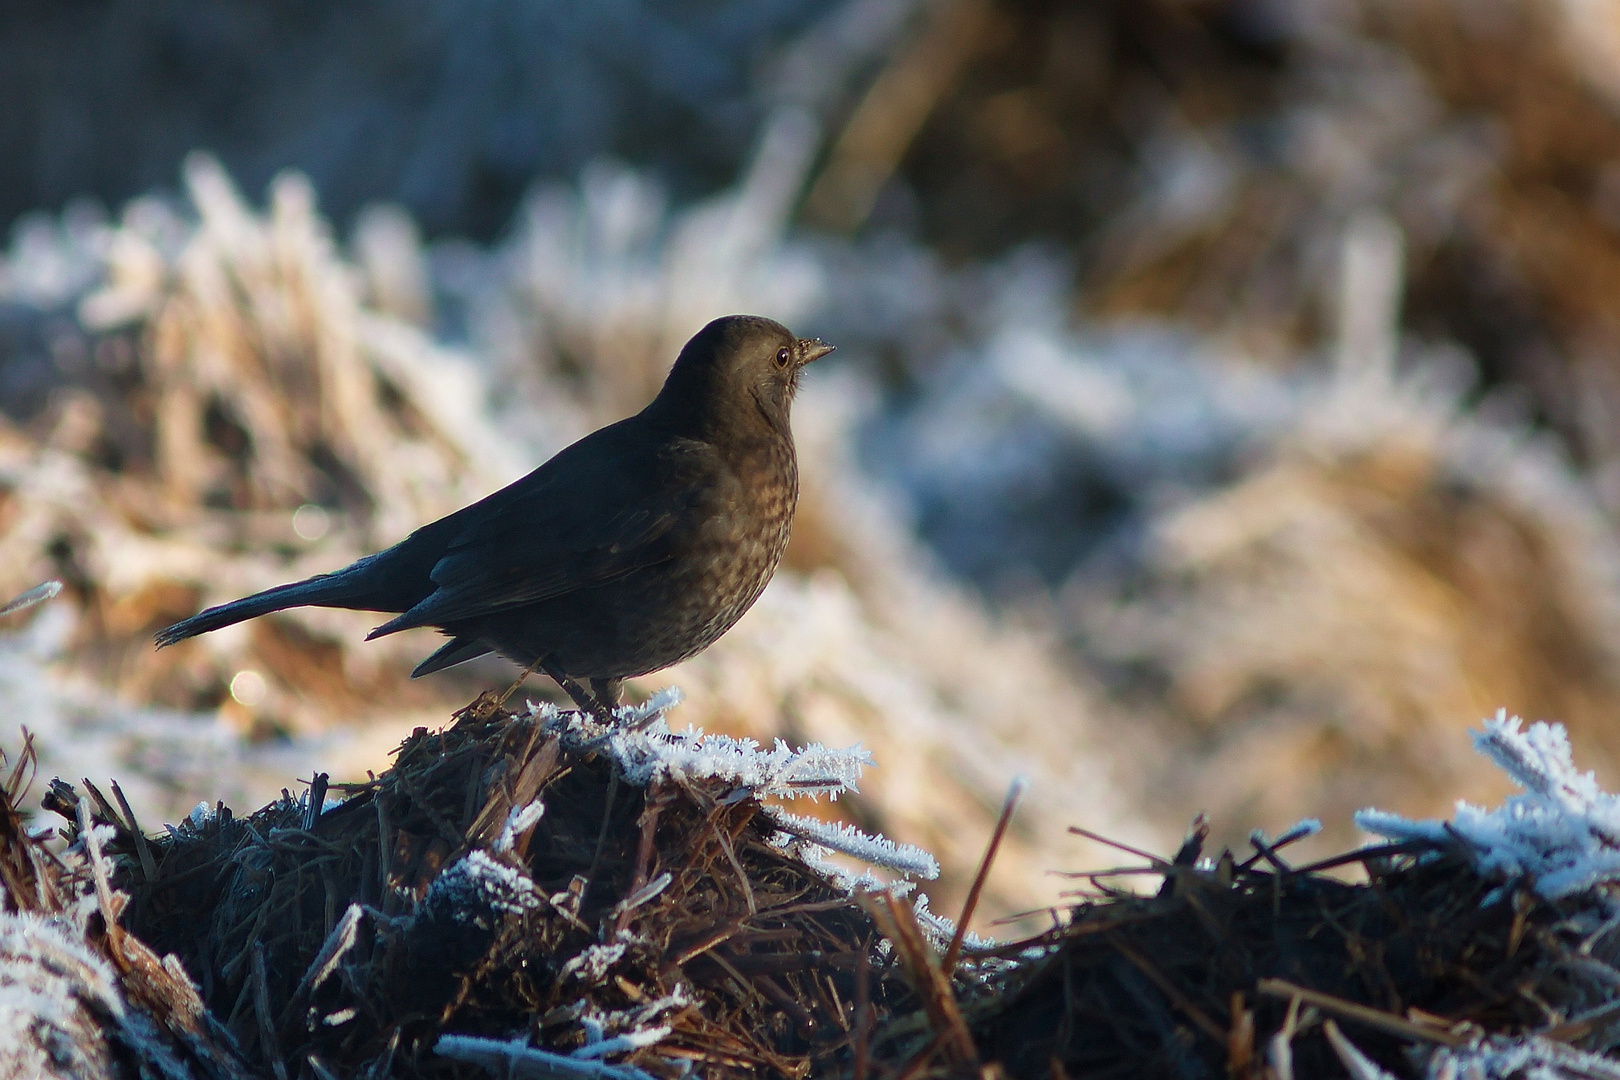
(1503, 1057)
(520, 820)
(592, 964)
(516, 1058)
(1561, 834)
(815, 857)
(333, 949)
(621, 1044)
(848, 840)
(648, 752)
(477, 882)
(53, 989)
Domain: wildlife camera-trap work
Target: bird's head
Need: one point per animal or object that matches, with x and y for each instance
(741, 366)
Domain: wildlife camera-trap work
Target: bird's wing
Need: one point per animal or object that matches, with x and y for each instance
(582, 519)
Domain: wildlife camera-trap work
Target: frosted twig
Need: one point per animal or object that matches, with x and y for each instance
(642, 895)
(37, 595)
(517, 1060)
(337, 943)
(593, 962)
(648, 752)
(621, 1044)
(99, 864)
(637, 716)
(520, 820)
(479, 878)
(848, 840)
(1296, 832)
(815, 857)
(941, 929)
(1561, 833)
(1504, 1057)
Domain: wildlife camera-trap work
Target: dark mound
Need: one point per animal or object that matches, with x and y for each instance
(620, 909)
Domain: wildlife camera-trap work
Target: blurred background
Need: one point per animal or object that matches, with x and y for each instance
(1226, 413)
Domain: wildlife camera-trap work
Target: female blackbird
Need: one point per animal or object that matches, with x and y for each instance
(631, 550)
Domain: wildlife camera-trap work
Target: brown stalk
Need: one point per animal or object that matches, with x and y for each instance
(923, 972)
(1014, 792)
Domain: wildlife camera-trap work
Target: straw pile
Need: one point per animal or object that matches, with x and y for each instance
(531, 894)
(1235, 969)
(616, 895)
(80, 996)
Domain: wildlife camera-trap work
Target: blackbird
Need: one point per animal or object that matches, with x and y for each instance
(631, 550)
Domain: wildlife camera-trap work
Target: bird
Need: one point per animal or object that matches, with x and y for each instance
(628, 551)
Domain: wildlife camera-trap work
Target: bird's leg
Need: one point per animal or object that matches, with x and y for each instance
(610, 692)
(582, 697)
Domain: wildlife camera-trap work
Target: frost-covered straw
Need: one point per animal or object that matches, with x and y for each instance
(1561, 834)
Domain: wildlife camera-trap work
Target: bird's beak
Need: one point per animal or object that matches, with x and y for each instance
(813, 349)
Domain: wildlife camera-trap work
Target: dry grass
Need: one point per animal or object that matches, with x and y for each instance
(761, 954)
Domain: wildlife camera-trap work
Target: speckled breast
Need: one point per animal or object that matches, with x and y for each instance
(673, 610)
(729, 568)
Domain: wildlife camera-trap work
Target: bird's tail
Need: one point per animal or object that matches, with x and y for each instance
(341, 589)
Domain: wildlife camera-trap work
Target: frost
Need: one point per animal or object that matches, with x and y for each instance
(644, 894)
(1357, 1064)
(648, 752)
(333, 949)
(53, 991)
(1561, 833)
(678, 998)
(480, 882)
(1501, 1057)
(848, 840)
(520, 820)
(592, 964)
(621, 1044)
(1299, 830)
(815, 857)
(636, 716)
(515, 1058)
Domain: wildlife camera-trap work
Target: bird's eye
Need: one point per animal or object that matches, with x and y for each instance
(782, 356)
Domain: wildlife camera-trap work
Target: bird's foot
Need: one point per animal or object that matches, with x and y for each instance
(610, 692)
(587, 701)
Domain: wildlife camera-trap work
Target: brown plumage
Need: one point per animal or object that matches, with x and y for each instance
(631, 550)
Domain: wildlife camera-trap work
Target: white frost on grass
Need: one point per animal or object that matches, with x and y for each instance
(516, 1059)
(848, 840)
(333, 949)
(520, 820)
(479, 882)
(1561, 834)
(941, 928)
(1502, 1057)
(53, 989)
(622, 1044)
(638, 716)
(62, 1009)
(593, 962)
(815, 857)
(648, 752)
